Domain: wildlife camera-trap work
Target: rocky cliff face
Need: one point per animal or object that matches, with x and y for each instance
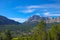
(52, 20)
(37, 18)
(34, 18)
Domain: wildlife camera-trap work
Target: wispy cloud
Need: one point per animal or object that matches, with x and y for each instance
(33, 8)
(50, 6)
(40, 6)
(27, 11)
(50, 14)
(19, 19)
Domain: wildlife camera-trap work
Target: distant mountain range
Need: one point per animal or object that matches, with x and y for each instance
(32, 22)
(37, 18)
(6, 21)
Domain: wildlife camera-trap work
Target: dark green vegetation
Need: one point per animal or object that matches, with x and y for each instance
(39, 32)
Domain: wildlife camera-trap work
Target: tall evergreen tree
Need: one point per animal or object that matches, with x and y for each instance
(40, 31)
(55, 32)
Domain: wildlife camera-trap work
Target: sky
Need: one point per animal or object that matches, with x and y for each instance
(21, 10)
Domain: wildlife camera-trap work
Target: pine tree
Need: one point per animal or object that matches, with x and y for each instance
(53, 32)
(40, 31)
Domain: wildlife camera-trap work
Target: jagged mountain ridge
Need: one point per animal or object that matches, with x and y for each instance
(34, 18)
(37, 18)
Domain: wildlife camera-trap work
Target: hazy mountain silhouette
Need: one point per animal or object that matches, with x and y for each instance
(6, 21)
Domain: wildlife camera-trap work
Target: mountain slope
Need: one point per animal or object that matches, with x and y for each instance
(6, 21)
(32, 22)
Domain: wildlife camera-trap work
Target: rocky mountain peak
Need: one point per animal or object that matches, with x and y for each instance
(34, 18)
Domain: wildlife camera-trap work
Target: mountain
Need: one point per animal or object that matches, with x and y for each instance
(37, 18)
(32, 22)
(34, 18)
(6, 21)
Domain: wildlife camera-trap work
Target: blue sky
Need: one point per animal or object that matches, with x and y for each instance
(21, 10)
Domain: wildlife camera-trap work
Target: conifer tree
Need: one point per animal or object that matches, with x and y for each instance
(55, 32)
(40, 31)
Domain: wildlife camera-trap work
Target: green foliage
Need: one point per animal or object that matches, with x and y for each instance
(6, 35)
(38, 33)
(41, 33)
(54, 33)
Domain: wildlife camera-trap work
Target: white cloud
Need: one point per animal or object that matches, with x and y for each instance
(46, 6)
(50, 6)
(27, 11)
(40, 6)
(19, 19)
(37, 14)
(50, 14)
(47, 14)
(33, 8)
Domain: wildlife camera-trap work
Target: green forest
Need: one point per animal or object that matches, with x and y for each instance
(40, 32)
